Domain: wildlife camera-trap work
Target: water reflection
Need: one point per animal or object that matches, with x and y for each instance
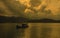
(46, 32)
(35, 30)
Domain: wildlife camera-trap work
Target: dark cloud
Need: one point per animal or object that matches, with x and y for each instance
(17, 9)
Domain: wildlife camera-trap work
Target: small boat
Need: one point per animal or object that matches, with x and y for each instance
(22, 26)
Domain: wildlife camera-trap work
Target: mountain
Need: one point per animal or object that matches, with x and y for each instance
(4, 19)
(45, 20)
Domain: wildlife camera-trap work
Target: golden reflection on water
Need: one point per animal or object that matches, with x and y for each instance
(43, 30)
(35, 30)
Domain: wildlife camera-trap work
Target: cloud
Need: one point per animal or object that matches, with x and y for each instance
(41, 9)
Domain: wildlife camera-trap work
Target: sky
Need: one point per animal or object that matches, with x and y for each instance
(32, 9)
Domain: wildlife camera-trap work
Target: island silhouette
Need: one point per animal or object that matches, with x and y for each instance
(4, 19)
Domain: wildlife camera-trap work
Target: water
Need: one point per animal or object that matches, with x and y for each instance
(35, 30)
(7, 30)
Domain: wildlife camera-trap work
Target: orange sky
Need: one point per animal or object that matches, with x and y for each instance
(53, 5)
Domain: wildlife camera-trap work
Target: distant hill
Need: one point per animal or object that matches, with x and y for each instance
(4, 19)
(45, 20)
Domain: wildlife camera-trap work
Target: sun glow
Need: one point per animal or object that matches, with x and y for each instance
(52, 5)
(25, 2)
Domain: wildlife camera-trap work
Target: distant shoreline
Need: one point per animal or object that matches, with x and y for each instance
(4, 19)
